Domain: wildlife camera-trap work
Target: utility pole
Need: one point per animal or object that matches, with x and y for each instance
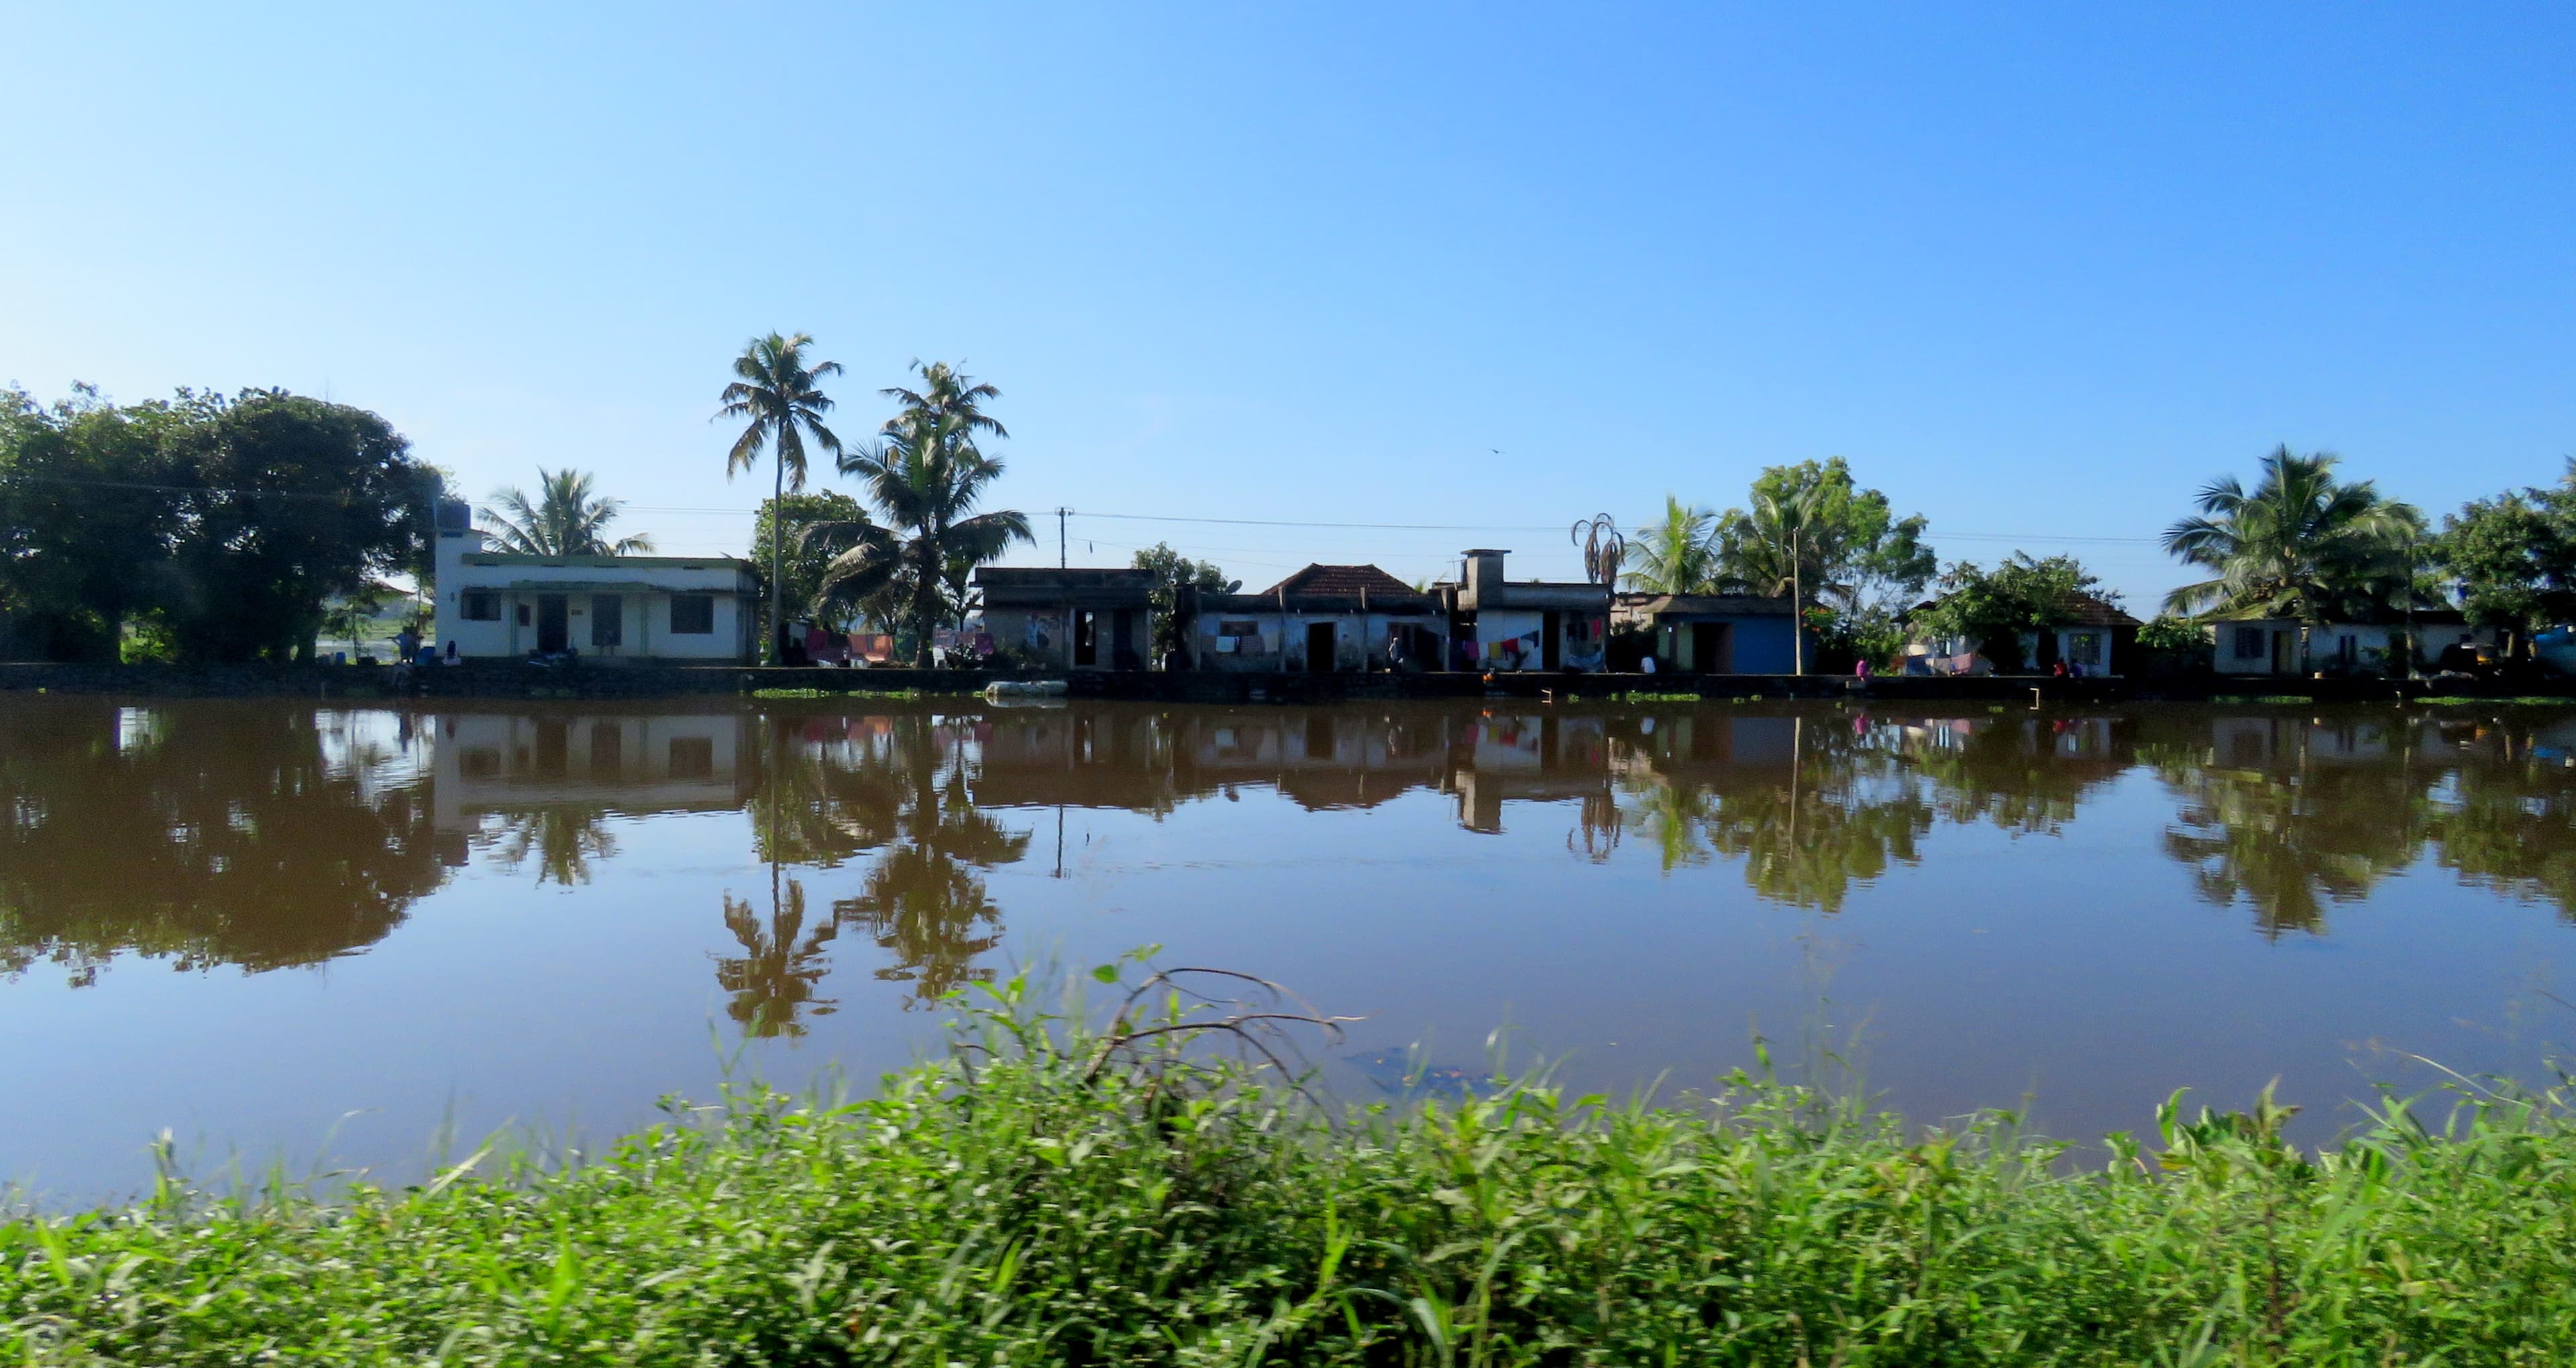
(1059, 537)
(1797, 604)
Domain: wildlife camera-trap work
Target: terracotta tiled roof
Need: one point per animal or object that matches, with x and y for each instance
(1340, 579)
(2089, 611)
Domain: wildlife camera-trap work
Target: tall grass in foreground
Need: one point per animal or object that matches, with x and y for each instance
(1057, 1192)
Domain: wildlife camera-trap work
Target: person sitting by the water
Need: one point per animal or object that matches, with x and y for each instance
(1860, 668)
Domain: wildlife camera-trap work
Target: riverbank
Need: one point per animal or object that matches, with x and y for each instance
(1048, 1195)
(512, 680)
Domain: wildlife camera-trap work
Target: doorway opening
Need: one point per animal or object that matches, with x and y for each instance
(1086, 637)
(1708, 648)
(1320, 645)
(552, 616)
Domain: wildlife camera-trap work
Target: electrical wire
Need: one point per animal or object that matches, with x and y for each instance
(689, 510)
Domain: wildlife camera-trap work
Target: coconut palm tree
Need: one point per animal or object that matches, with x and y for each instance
(2302, 545)
(926, 474)
(774, 390)
(567, 518)
(1678, 555)
(1781, 548)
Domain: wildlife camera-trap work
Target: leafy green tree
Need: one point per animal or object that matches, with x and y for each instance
(1814, 535)
(1678, 555)
(2302, 544)
(287, 501)
(87, 517)
(926, 473)
(2513, 557)
(1174, 572)
(567, 518)
(802, 559)
(1993, 608)
(775, 392)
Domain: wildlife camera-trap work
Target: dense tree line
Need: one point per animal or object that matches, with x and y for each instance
(201, 526)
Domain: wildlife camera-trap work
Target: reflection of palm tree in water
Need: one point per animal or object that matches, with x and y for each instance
(924, 900)
(1599, 826)
(564, 840)
(904, 793)
(2289, 843)
(781, 966)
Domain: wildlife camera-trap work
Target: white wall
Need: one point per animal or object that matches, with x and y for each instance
(645, 589)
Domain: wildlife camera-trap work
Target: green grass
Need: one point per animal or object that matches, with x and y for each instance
(2519, 701)
(1052, 1195)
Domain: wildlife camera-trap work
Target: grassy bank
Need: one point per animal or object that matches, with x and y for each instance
(1055, 1194)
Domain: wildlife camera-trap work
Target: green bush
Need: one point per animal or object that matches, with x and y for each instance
(1120, 1194)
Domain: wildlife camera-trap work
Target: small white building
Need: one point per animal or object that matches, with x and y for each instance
(2270, 646)
(495, 605)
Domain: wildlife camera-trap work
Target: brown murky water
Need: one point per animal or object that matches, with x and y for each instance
(328, 936)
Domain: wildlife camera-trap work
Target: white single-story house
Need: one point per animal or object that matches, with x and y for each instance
(2097, 637)
(2270, 646)
(1078, 619)
(1324, 618)
(1495, 624)
(495, 605)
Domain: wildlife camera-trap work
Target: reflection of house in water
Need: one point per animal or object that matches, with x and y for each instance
(2260, 741)
(1148, 760)
(1540, 757)
(504, 763)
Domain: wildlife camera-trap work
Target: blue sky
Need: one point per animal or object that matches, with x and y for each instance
(2038, 272)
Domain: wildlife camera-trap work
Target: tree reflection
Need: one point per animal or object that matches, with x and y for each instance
(925, 901)
(1831, 811)
(564, 841)
(774, 980)
(2025, 775)
(249, 834)
(2296, 832)
(898, 787)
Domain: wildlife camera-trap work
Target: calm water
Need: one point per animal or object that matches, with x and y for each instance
(325, 934)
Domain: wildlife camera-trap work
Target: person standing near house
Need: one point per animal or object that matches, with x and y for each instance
(407, 644)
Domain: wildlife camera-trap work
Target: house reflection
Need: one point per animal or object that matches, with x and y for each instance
(271, 834)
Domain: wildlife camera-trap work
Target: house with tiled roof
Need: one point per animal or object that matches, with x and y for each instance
(1323, 618)
(2094, 636)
